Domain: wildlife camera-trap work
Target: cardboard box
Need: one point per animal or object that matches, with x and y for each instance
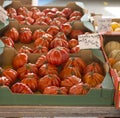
(113, 72)
(24, 2)
(79, 6)
(95, 97)
(1, 2)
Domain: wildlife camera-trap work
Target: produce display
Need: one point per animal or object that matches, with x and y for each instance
(46, 59)
(55, 71)
(70, 75)
(47, 16)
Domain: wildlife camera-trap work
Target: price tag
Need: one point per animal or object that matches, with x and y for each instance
(3, 15)
(104, 25)
(89, 41)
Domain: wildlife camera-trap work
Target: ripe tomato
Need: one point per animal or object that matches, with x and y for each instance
(72, 43)
(37, 33)
(11, 74)
(25, 49)
(4, 81)
(58, 55)
(27, 68)
(13, 34)
(31, 80)
(7, 41)
(25, 35)
(19, 60)
(66, 28)
(21, 88)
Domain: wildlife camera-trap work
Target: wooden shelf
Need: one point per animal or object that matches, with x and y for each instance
(57, 111)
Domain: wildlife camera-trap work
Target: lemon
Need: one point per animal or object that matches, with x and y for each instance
(115, 25)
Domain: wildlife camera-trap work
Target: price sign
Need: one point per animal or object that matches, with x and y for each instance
(104, 25)
(3, 15)
(89, 41)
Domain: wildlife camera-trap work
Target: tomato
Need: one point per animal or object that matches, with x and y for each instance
(37, 33)
(79, 89)
(31, 80)
(66, 28)
(25, 35)
(76, 13)
(21, 88)
(67, 12)
(11, 74)
(29, 20)
(55, 90)
(51, 15)
(53, 30)
(58, 55)
(74, 18)
(43, 40)
(27, 68)
(61, 19)
(25, 49)
(4, 81)
(19, 60)
(47, 68)
(61, 35)
(40, 61)
(75, 49)
(72, 43)
(13, 34)
(11, 12)
(7, 41)
(48, 80)
(40, 49)
(58, 42)
(20, 18)
(24, 11)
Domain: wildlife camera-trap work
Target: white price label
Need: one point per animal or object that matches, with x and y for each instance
(3, 15)
(104, 25)
(89, 41)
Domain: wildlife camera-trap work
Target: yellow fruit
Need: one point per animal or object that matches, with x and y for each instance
(115, 25)
(117, 29)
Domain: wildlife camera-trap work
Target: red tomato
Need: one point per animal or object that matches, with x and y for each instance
(31, 80)
(4, 81)
(67, 12)
(27, 68)
(72, 43)
(53, 30)
(58, 55)
(7, 41)
(37, 33)
(48, 80)
(66, 28)
(13, 34)
(19, 17)
(40, 61)
(25, 49)
(21, 88)
(19, 60)
(25, 35)
(11, 74)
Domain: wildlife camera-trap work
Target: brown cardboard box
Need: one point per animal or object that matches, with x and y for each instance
(1, 2)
